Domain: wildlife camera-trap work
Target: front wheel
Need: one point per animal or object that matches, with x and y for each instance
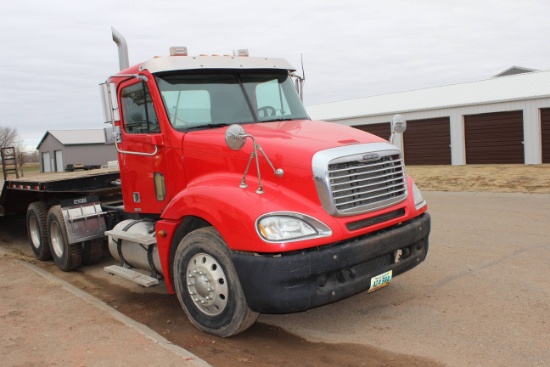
(207, 285)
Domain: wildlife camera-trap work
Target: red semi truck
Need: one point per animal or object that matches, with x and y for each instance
(233, 197)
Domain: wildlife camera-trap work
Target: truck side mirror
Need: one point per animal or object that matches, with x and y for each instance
(398, 126)
(235, 137)
(109, 102)
(108, 135)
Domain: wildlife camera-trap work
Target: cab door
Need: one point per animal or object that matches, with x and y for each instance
(141, 151)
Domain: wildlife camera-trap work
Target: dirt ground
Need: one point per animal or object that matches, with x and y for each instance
(483, 178)
(261, 345)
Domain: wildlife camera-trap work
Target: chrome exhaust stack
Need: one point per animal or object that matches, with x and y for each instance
(119, 39)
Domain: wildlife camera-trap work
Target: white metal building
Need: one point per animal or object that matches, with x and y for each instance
(505, 119)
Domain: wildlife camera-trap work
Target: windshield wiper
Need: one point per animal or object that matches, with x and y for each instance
(207, 126)
(279, 119)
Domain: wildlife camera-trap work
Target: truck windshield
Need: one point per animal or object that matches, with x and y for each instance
(219, 98)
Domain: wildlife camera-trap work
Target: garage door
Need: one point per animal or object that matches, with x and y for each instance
(494, 138)
(46, 166)
(58, 160)
(545, 127)
(382, 129)
(427, 142)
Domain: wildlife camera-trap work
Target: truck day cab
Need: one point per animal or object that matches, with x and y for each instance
(237, 200)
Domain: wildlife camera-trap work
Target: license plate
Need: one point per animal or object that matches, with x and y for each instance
(380, 281)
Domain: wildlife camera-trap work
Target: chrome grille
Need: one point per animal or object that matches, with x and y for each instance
(360, 178)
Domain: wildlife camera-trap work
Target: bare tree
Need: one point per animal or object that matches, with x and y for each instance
(9, 137)
(31, 156)
(21, 158)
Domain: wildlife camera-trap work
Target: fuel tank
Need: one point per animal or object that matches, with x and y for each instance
(137, 253)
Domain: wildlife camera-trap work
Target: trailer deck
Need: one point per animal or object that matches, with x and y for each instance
(52, 187)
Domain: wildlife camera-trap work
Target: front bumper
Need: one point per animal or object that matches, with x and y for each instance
(315, 277)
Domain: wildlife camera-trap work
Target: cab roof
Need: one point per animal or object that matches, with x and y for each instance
(171, 63)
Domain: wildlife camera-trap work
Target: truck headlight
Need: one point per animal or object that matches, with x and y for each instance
(285, 226)
(419, 201)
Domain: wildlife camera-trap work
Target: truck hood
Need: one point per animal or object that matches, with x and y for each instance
(286, 143)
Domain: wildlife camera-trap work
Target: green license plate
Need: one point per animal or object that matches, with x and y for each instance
(380, 281)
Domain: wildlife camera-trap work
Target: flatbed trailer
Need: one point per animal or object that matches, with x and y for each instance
(67, 213)
(51, 188)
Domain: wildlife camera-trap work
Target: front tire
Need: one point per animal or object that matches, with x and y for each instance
(37, 230)
(66, 256)
(207, 285)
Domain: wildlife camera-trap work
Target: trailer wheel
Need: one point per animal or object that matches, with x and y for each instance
(66, 256)
(207, 285)
(92, 251)
(37, 229)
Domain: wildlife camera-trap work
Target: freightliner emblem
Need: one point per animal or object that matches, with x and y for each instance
(370, 156)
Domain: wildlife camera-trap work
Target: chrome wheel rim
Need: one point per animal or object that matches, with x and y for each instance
(56, 239)
(34, 231)
(207, 284)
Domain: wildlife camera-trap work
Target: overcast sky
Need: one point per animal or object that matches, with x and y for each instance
(54, 53)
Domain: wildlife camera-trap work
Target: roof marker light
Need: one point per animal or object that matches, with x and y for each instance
(178, 51)
(243, 52)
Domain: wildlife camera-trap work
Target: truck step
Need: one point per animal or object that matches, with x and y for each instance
(132, 275)
(143, 239)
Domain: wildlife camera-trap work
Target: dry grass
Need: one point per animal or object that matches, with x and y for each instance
(488, 178)
(28, 168)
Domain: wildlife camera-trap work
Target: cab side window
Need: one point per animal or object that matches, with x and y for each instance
(138, 110)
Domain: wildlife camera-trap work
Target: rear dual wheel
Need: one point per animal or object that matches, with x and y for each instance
(92, 251)
(66, 256)
(37, 230)
(207, 285)
(48, 238)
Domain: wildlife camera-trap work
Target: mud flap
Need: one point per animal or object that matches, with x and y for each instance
(84, 218)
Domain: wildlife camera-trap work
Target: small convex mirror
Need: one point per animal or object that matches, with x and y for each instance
(398, 124)
(235, 137)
